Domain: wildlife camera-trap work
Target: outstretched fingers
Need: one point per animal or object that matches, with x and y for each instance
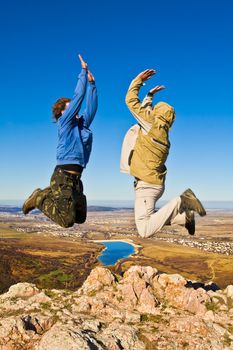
(147, 74)
(157, 88)
(83, 63)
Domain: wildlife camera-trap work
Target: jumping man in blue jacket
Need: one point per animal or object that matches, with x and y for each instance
(64, 201)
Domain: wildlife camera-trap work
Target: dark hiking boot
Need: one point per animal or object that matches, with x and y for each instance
(30, 203)
(81, 209)
(190, 222)
(190, 202)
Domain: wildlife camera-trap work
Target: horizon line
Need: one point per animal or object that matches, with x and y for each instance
(122, 200)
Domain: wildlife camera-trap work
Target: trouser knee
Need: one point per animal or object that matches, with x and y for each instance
(142, 230)
(142, 234)
(65, 224)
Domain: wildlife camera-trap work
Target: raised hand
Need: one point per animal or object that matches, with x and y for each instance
(83, 63)
(90, 76)
(157, 88)
(146, 74)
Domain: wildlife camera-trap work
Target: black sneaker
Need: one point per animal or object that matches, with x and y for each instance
(30, 203)
(190, 202)
(190, 222)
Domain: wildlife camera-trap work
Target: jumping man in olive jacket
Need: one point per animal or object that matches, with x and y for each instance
(147, 163)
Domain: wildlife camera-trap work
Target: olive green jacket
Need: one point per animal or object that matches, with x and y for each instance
(152, 145)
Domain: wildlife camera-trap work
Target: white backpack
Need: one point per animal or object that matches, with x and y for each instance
(131, 137)
(128, 147)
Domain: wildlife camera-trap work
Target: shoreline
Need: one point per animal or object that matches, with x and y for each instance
(129, 241)
(136, 246)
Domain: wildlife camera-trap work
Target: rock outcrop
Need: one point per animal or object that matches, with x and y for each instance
(137, 311)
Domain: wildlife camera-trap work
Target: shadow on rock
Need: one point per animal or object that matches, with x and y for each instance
(195, 285)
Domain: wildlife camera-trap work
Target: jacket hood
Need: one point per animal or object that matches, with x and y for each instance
(165, 112)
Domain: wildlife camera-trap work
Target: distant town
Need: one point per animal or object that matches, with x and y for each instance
(109, 222)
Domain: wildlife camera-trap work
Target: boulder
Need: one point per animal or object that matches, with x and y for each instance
(98, 279)
(229, 291)
(67, 337)
(21, 290)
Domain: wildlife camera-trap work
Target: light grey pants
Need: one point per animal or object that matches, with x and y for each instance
(149, 221)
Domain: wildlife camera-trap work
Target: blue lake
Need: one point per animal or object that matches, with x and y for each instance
(115, 251)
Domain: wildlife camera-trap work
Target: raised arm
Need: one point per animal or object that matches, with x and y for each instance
(141, 113)
(75, 104)
(91, 102)
(147, 101)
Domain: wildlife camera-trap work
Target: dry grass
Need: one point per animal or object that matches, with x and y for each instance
(193, 264)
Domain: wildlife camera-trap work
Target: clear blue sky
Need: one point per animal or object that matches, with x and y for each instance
(189, 43)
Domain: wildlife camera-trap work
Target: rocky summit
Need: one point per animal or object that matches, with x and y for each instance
(141, 310)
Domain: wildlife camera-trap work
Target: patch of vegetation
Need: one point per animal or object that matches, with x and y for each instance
(220, 300)
(226, 339)
(92, 293)
(118, 277)
(163, 306)
(15, 299)
(150, 345)
(150, 318)
(229, 303)
(68, 305)
(55, 276)
(211, 306)
(55, 319)
(45, 306)
(36, 262)
(119, 298)
(185, 345)
(12, 313)
(50, 294)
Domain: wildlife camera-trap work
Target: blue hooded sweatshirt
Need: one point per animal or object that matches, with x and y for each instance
(74, 136)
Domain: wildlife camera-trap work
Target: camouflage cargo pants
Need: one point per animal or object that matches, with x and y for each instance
(64, 201)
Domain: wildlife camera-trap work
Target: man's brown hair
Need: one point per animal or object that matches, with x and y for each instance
(59, 106)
